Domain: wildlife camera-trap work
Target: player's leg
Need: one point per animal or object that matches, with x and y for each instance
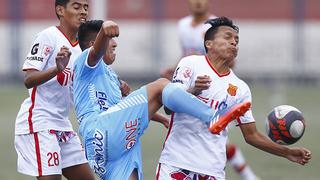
(74, 162)
(81, 172)
(50, 177)
(134, 175)
(237, 160)
(180, 101)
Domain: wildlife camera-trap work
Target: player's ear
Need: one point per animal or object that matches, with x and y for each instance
(91, 43)
(208, 44)
(59, 10)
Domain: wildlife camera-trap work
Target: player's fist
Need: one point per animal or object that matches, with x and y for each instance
(125, 88)
(110, 29)
(62, 58)
(299, 155)
(201, 83)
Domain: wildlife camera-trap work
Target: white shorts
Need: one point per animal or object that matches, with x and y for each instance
(48, 152)
(168, 172)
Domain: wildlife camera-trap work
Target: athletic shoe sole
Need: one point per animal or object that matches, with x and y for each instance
(234, 113)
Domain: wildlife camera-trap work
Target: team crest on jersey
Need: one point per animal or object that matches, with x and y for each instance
(232, 90)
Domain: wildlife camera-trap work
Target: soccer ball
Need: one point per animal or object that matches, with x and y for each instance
(285, 125)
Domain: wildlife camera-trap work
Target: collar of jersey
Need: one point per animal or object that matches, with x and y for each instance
(72, 44)
(220, 75)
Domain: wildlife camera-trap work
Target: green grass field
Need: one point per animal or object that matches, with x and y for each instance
(267, 166)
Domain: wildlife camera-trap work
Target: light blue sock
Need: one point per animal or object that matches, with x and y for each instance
(180, 101)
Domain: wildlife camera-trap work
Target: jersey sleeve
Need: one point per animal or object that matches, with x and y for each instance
(248, 116)
(81, 68)
(41, 51)
(183, 74)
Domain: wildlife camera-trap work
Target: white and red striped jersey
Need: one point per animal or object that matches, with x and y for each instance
(189, 144)
(191, 37)
(48, 105)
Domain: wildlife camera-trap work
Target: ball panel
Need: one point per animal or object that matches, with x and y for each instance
(296, 129)
(282, 110)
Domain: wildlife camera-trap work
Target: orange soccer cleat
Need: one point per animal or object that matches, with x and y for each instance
(221, 121)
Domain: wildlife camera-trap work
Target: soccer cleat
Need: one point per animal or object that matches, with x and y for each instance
(221, 121)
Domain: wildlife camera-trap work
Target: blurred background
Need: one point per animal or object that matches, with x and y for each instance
(278, 57)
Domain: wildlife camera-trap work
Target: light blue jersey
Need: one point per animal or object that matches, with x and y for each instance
(95, 88)
(111, 127)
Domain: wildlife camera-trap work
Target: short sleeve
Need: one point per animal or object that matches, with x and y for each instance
(41, 50)
(183, 74)
(248, 116)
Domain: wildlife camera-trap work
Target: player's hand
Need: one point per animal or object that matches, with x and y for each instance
(164, 120)
(125, 88)
(201, 83)
(299, 155)
(62, 58)
(110, 29)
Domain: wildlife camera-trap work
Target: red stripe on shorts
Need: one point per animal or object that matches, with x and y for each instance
(37, 145)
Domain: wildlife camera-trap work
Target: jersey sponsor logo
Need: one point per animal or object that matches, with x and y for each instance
(232, 90)
(34, 49)
(35, 58)
(102, 100)
(99, 153)
(64, 77)
(177, 81)
(131, 132)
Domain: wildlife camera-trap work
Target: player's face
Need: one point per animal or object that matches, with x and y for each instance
(110, 54)
(75, 12)
(224, 44)
(198, 7)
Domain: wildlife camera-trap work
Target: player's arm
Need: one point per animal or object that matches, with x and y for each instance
(260, 141)
(34, 77)
(157, 117)
(108, 30)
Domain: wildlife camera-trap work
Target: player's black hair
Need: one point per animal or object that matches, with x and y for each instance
(87, 32)
(215, 24)
(60, 3)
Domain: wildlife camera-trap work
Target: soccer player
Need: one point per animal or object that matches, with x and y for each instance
(111, 126)
(191, 30)
(45, 141)
(189, 151)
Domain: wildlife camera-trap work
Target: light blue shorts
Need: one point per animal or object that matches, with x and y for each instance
(112, 138)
